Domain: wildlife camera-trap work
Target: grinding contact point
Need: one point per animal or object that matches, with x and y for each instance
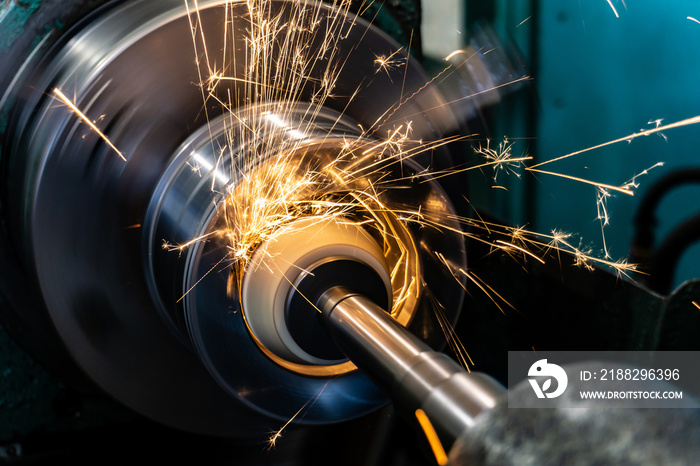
(291, 270)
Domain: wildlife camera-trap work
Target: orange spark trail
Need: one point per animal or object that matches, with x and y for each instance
(272, 441)
(647, 132)
(582, 180)
(507, 245)
(431, 435)
(524, 21)
(83, 117)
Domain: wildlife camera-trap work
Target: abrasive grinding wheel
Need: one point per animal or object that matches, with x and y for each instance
(89, 211)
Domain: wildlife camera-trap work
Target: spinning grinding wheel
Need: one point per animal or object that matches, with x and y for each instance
(159, 330)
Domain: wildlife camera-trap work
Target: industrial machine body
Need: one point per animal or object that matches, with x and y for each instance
(233, 220)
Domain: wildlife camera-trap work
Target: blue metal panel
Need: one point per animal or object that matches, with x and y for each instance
(603, 76)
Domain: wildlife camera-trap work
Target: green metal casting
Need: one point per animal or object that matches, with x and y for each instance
(14, 14)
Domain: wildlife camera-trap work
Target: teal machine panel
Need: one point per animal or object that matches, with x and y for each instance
(602, 70)
(604, 74)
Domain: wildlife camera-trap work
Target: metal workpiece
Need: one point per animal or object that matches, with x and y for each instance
(450, 396)
(414, 375)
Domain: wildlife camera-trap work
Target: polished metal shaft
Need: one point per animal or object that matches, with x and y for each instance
(413, 374)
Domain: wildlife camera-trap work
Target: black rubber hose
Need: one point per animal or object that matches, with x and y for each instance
(665, 259)
(645, 221)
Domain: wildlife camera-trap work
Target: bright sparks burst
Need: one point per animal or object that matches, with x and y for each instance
(276, 88)
(386, 63)
(281, 68)
(501, 158)
(291, 57)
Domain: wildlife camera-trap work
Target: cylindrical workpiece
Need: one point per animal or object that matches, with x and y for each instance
(412, 373)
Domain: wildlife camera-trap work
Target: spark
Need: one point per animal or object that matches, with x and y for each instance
(433, 439)
(620, 189)
(617, 15)
(487, 290)
(386, 63)
(603, 216)
(501, 158)
(276, 435)
(450, 334)
(219, 77)
(503, 163)
(657, 123)
(524, 21)
(626, 188)
(633, 183)
(506, 246)
(540, 245)
(603, 195)
(696, 304)
(84, 117)
(603, 190)
(658, 129)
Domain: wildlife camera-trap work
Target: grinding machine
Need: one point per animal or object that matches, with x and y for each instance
(121, 280)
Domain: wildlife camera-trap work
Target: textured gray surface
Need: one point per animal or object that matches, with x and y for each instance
(587, 435)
